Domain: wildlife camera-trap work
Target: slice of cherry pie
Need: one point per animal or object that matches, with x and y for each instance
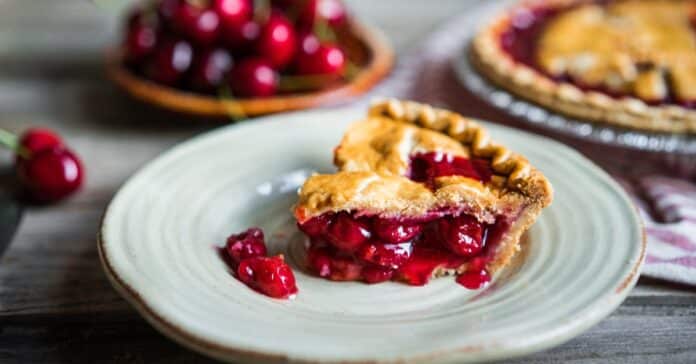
(419, 192)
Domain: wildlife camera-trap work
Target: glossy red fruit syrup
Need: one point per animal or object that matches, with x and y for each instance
(270, 276)
(348, 246)
(247, 254)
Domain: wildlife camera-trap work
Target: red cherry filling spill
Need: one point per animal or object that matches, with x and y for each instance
(344, 247)
(425, 167)
(277, 41)
(462, 235)
(254, 77)
(50, 174)
(209, 69)
(372, 274)
(270, 276)
(347, 233)
(248, 244)
(476, 276)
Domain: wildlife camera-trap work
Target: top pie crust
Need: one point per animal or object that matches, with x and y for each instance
(642, 48)
(373, 160)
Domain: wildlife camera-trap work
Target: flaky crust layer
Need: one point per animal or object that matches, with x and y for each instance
(373, 160)
(495, 63)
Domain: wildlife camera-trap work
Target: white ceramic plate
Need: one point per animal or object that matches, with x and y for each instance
(160, 233)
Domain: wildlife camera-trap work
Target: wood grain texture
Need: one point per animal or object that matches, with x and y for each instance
(56, 305)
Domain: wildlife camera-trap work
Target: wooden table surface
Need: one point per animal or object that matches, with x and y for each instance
(56, 305)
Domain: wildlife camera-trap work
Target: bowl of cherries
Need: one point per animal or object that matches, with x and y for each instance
(243, 58)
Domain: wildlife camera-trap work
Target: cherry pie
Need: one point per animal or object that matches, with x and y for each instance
(630, 63)
(419, 192)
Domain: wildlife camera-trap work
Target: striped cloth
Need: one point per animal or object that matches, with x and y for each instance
(667, 204)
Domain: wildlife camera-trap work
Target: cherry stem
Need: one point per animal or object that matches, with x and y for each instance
(9, 140)
(263, 10)
(232, 109)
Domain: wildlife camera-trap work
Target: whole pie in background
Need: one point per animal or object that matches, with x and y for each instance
(419, 192)
(630, 63)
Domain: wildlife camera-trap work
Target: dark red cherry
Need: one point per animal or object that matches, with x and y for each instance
(462, 235)
(307, 43)
(247, 244)
(233, 12)
(392, 231)
(34, 140)
(240, 38)
(347, 233)
(253, 77)
(333, 12)
(385, 255)
(141, 36)
(372, 274)
(328, 59)
(210, 67)
(319, 261)
(167, 8)
(277, 41)
(171, 60)
(198, 24)
(316, 226)
(270, 276)
(50, 174)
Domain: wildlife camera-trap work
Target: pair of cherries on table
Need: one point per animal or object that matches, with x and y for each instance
(47, 169)
(207, 46)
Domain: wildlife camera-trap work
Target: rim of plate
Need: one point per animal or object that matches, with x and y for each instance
(572, 327)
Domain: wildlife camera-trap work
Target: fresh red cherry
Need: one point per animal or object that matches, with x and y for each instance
(241, 37)
(167, 8)
(462, 235)
(347, 233)
(307, 43)
(331, 11)
(328, 59)
(270, 276)
(34, 140)
(253, 77)
(385, 255)
(316, 226)
(209, 69)
(277, 41)
(233, 12)
(394, 232)
(171, 60)
(199, 24)
(247, 244)
(141, 36)
(50, 174)
(319, 261)
(372, 274)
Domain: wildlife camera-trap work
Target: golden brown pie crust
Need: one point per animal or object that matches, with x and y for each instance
(495, 63)
(373, 159)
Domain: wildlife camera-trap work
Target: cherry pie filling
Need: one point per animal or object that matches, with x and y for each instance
(520, 41)
(350, 245)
